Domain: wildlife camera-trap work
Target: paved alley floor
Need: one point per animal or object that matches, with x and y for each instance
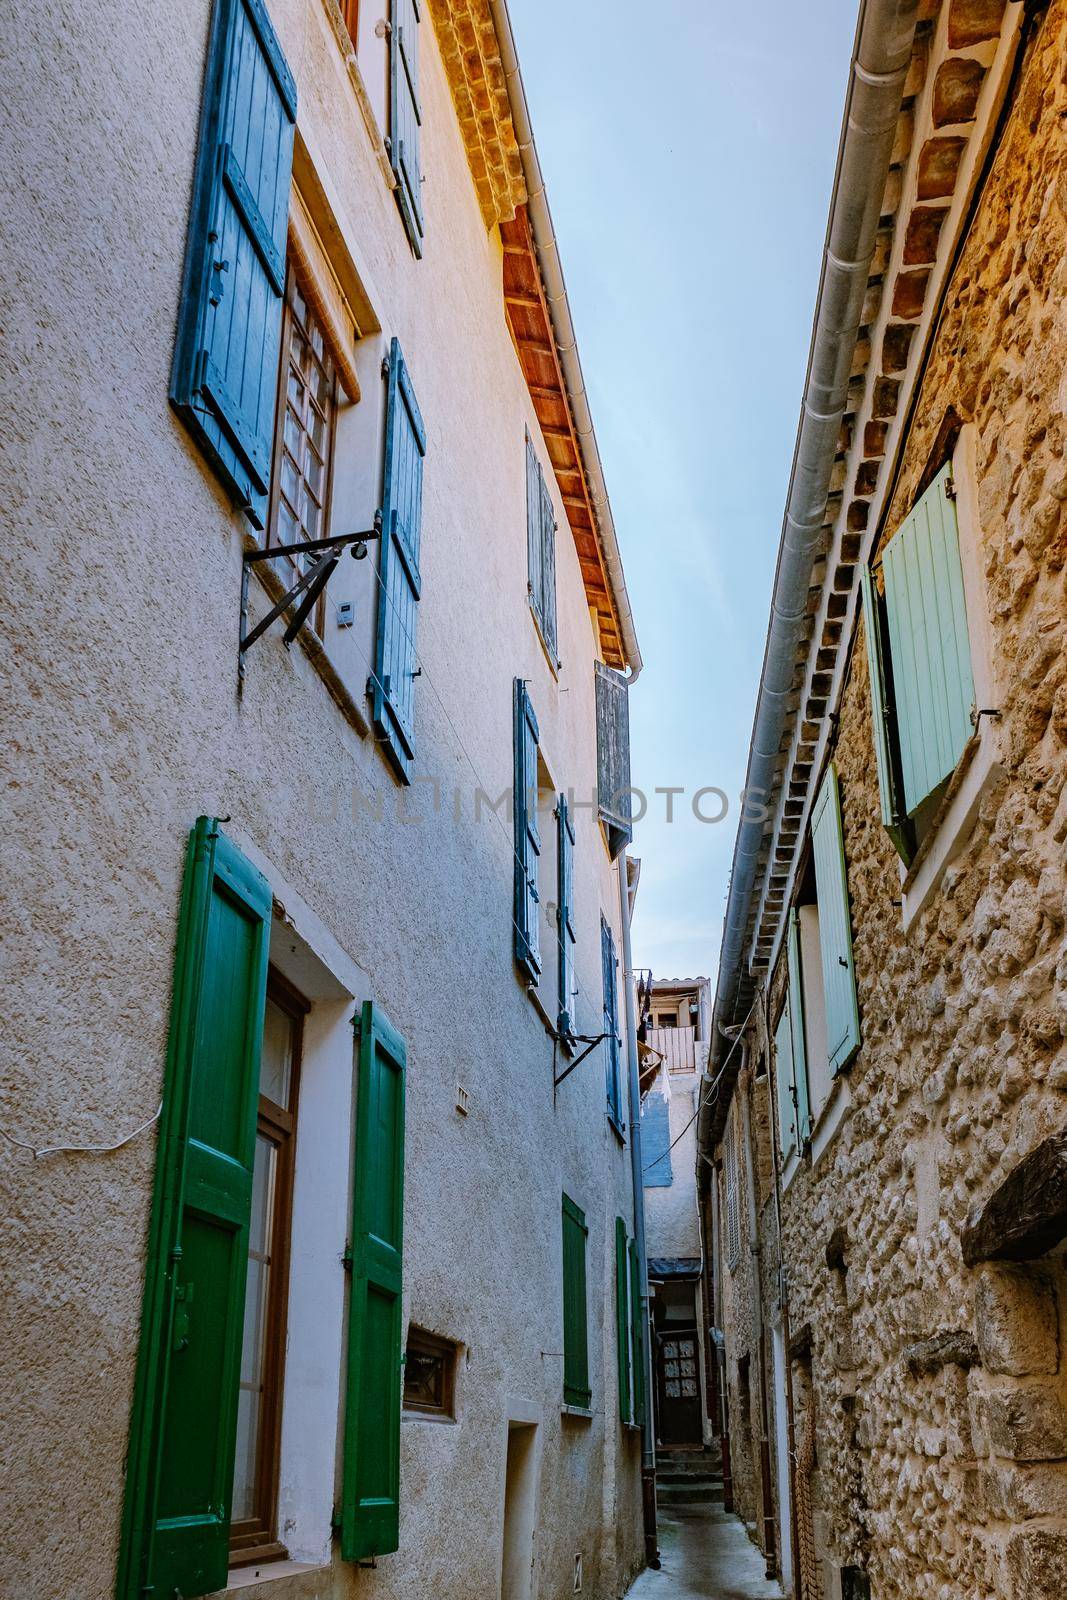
(706, 1556)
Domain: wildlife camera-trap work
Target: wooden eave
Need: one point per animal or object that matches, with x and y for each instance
(531, 329)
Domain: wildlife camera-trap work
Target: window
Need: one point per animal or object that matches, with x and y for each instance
(430, 1375)
(225, 367)
(527, 835)
(656, 1141)
(614, 799)
(919, 659)
(541, 551)
(253, 1525)
(576, 1388)
(565, 919)
(733, 1209)
(610, 965)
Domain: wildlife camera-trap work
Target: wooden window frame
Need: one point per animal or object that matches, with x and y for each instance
(329, 364)
(434, 1344)
(350, 18)
(256, 1538)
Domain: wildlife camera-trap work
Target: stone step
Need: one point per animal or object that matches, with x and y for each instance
(689, 1497)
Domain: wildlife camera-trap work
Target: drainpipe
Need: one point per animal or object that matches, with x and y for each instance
(717, 1302)
(770, 1540)
(880, 62)
(544, 236)
(648, 1445)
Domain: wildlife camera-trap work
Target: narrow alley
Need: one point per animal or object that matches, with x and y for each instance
(705, 1552)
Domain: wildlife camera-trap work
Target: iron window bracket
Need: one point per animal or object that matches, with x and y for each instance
(308, 586)
(590, 1045)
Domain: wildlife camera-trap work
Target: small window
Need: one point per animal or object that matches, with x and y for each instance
(305, 433)
(430, 1375)
(541, 551)
(253, 1525)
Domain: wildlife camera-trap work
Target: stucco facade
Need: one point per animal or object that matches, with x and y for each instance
(121, 702)
(912, 1278)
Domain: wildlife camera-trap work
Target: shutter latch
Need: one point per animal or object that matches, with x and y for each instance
(950, 488)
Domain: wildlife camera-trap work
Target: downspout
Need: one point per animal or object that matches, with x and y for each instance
(880, 61)
(544, 236)
(770, 1532)
(648, 1445)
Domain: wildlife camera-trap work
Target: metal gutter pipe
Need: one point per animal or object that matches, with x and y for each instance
(648, 1443)
(544, 236)
(880, 61)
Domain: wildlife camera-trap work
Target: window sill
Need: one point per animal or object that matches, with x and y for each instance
(436, 1417)
(618, 1129)
(979, 769)
(828, 1122)
(270, 1572)
(580, 1413)
(539, 1006)
(312, 646)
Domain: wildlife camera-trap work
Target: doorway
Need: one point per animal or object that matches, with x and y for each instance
(520, 1512)
(678, 1386)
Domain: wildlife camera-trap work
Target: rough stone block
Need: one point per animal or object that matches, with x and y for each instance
(1037, 1564)
(972, 21)
(956, 89)
(1026, 1424)
(1025, 1492)
(909, 293)
(921, 235)
(1015, 1321)
(939, 162)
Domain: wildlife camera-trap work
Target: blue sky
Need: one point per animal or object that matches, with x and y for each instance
(688, 149)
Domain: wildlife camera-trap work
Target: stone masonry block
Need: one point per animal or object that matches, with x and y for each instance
(1015, 1321)
(1037, 1564)
(972, 21)
(956, 90)
(1025, 1492)
(1026, 1424)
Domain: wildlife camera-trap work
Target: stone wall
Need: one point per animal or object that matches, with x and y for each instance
(941, 1462)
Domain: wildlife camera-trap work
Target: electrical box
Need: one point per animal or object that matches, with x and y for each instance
(346, 613)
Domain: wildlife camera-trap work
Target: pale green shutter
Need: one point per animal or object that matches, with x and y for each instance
(370, 1466)
(929, 645)
(783, 1058)
(796, 1023)
(835, 928)
(893, 819)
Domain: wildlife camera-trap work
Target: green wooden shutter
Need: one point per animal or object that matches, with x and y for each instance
(576, 1390)
(798, 1039)
(224, 376)
(548, 568)
(894, 821)
(370, 1491)
(614, 801)
(637, 1324)
(179, 1472)
(929, 646)
(787, 1107)
(527, 837)
(392, 689)
(835, 926)
(405, 116)
(565, 916)
(622, 1319)
(611, 1022)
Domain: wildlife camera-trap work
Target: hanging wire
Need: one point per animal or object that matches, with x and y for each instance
(702, 1100)
(37, 1151)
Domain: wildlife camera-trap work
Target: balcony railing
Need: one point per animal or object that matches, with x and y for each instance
(677, 1046)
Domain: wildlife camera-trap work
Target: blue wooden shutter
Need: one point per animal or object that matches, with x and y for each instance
(576, 1387)
(656, 1141)
(929, 646)
(799, 1046)
(835, 926)
(565, 917)
(894, 820)
(614, 800)
(370, 1490)
(786, 1085)
(548, 569)
(224, 377)
(183, 1426)
(622, 1319)
(392, 689)
(611, 1022)
(534, 548)
(527, 837)
(405, 116)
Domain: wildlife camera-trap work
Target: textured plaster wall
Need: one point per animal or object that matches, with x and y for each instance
(119, 678)
(671, 1219)
(951, 1484)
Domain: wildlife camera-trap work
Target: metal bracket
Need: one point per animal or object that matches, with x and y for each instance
(590, 1045)
(986, 711)
(308, 586)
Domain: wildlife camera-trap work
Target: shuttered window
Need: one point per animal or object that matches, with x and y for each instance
(623, 1322)
(929, 645)
(614, 800)
(610, 964)
(565, 916)
(541, 549)
(786, 1088)
(392, 688)
(656, 1141)
(527, 836)
(835, 925)
(797, 1029)
(370, 1491)
(180, 1463)
(886, 752)
(576, 1388)
(733, 1201)
(405, 116)
(637, 1329)
(225, 369)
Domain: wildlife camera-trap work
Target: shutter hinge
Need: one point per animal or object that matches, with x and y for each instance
(385, 366)
(950, 488)
(357, 1020)
(348, 1260)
